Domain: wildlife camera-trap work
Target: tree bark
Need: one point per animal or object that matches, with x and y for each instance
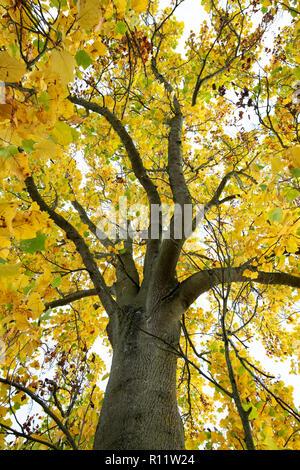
(139, 410)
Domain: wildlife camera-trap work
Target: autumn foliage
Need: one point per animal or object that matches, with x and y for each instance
(89, 91)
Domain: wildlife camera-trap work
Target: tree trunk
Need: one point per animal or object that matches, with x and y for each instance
(140, 410)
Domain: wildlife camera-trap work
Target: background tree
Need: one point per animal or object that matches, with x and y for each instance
(98, 103)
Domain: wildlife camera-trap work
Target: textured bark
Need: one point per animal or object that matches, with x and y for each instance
(140, 410)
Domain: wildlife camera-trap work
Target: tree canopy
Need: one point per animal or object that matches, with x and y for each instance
(101, 107)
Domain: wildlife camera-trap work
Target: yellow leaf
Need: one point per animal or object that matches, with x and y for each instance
(28, 349)
(44, 447)
(18, 165)
(20, 282)
(250, 274)
(270, 444)
(291, 245)
(98, 48)
(45, 148)
(75, 119)
(8, 270)
(139, 5)
(294, 155)
(7, 214)
(3, 167)
(268, 431)
(121, 6)
(44, 280)
(90, 14)
(277, 164)
(11, 69)
(4, 247)
(35, 364)
(279, 250)
(9, 135)
(63, 63)
(36, 305)
(62, 133)
(21, 319)
(27, 223)
(5, 111)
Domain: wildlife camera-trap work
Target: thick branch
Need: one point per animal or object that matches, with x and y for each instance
(70, 298)
(92, 227)
(171, 247)
(127, 275)
(138, 169)
(180, 191)
(200, 80)
(194, 286)
(72, 234)
(132, 152)
(215, 200)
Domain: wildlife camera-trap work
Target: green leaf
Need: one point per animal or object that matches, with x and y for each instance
(214, 347)
(27, 145)
(259, 167)
(58, 3)
(253, 413)
(13, 49)
(45, 316)
(63, 133)
(277, 69)
(297, 72)
(272, 412)
(29, 287)
(31, 245)
(276, 215)
(121, 27)
(8, 151)
(241, 370)
(291, 194)
(44, 99)
(270, 443)
(39, 44)
(75, 134)
(56, 281)
(295, 172)
(83, 59)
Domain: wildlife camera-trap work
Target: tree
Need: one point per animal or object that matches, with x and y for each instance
(100, 111)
